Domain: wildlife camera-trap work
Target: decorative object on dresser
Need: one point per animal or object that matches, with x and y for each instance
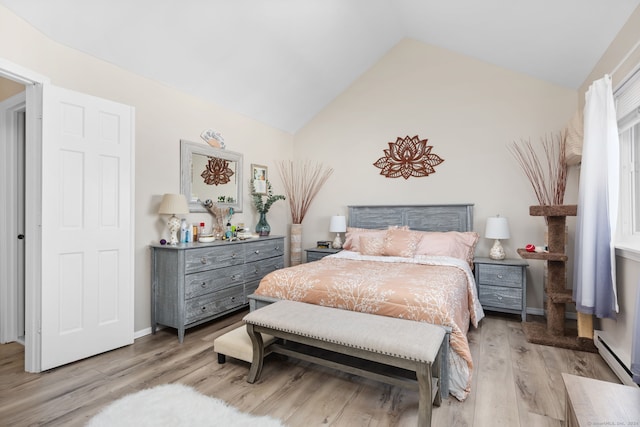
(502, 285)
(338, 225)
(262, 206)
(408, 157)
(173, 204)
(497, 228)
(194, 283)
(314, 254)
(302, 182)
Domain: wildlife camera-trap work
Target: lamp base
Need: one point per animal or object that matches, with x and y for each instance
(174, 226)
(497, 252)
(337, 242)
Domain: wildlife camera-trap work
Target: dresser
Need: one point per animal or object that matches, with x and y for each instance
(192, 283)
(502, 285)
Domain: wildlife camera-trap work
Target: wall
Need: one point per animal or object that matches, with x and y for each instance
(163, 117)
(620, 332)
(8, 88)
(470, 112)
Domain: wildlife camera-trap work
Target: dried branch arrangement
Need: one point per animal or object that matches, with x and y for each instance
(547, 175)
(302, 182)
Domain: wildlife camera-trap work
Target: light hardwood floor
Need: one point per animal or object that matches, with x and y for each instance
(515, 383)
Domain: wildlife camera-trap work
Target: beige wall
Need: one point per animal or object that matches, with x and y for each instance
(469, 110)
(163, 117)
(8, 88)
(627, 270)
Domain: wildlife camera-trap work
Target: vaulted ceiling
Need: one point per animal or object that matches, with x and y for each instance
(282, 61)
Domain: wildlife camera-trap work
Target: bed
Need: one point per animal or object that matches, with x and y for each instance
(412, 262)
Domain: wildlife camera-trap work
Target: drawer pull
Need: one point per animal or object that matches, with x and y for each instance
(257, 251)
(235, 277)
(500, 276)
(233, 255)
(204, 284)
(499, 297)
(203, 260)
(256, 270)
(204, 308)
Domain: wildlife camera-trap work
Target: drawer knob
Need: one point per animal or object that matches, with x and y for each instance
(500, 276)
(257, 251)
(204, 284)
(499, 297)
(204, 308)
(235, 277)
(233, 255)
(203, 260)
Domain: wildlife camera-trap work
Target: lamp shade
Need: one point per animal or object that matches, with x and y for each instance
(497, 228)
(338, 224)
(174, 204)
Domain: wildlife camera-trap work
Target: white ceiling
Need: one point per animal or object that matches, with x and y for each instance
(282, 61)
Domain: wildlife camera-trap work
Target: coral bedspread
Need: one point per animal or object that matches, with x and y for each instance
(437, 290)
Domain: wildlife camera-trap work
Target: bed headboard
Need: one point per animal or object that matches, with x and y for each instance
(417, 217)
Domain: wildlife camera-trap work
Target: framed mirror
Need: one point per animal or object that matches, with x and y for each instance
(210, 173)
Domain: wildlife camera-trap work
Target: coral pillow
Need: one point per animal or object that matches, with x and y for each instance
(399, 242)
(455, 244)
(371, 244)
(352, 238)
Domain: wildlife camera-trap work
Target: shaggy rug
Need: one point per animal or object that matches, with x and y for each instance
(175, 405)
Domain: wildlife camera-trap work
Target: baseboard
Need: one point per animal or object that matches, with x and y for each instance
(610, 355)
(144, 332)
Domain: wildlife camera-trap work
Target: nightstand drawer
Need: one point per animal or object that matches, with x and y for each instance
(501, 297)
(501, 275)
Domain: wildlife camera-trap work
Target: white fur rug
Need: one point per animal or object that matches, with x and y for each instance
(175, 405)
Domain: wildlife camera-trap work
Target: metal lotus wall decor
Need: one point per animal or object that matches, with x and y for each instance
(217, 172)
(408, 157)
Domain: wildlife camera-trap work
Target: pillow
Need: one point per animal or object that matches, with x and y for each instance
(399, 242)
(352, 237)
(371, 244)
(455, 244)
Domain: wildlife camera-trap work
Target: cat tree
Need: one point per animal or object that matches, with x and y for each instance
(554, 333)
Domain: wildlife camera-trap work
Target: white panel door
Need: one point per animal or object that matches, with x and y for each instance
(87, 226)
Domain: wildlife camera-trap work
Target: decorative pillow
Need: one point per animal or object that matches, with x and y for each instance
(371, 244)
(455, 244)
(352, 237)
(399, 242)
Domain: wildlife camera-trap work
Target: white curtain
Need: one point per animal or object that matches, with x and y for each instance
(635, 342)
(594, 278)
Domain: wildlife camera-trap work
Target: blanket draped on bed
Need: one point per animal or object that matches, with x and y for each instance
(437, 290)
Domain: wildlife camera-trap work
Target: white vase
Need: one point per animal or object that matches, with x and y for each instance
(295, 244)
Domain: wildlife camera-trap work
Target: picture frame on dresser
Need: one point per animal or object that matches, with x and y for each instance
(259, 175)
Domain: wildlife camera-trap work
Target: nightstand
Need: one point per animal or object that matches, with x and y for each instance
(502, 285)
(315, 254)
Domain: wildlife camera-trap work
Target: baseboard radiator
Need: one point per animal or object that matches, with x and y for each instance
(614, 358)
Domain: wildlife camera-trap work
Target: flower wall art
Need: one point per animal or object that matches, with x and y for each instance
(409, 156)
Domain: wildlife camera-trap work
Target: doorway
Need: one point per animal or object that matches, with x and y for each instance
(12, 208)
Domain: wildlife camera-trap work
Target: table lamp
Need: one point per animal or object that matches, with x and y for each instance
(173, 204)
(497, 228)
(338, 225)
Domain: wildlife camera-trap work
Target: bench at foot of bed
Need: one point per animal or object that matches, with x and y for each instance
(378, 347)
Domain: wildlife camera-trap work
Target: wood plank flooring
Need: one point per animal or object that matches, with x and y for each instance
(515, 383)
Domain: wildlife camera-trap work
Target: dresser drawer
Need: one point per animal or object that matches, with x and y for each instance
(213, 257)
(501, 297)
(257, 250)
(257, 270)
(501, 275)
(197, 284)
(211, 304)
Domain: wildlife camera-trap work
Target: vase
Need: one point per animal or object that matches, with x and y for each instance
(295, 246)
(263, 228)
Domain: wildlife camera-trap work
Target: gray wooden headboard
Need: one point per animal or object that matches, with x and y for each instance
(417, 217)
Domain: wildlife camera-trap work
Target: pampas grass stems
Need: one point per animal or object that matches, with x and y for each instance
(302, 182)
(547, 176)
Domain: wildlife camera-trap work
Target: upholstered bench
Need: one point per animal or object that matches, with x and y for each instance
(384, 344)
(237, 344)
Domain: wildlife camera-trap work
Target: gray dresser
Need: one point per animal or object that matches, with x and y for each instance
(193, 283)
(502, 285)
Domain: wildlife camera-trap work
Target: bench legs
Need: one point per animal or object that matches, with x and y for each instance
(258, 354)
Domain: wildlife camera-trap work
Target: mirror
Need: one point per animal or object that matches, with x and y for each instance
(210, 173)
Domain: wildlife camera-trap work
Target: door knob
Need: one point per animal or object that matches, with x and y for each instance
(21, 236)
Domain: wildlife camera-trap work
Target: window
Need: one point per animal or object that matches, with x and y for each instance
(628, 114)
